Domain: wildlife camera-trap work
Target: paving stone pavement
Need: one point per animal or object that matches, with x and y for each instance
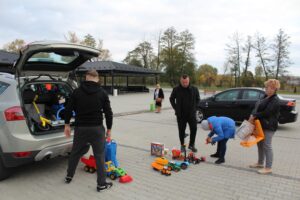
(134, 133)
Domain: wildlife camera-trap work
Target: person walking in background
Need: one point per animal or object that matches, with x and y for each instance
(224, 128)
(185, 99)
(267, 111)
(89, 102)
(158, 97)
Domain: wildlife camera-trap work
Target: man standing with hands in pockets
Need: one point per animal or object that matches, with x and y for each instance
(89, 102)
(184, 100)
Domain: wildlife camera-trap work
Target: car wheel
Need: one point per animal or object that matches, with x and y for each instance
(199, 116)
(4, 171)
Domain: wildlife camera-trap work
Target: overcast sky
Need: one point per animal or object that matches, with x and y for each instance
(122, 24)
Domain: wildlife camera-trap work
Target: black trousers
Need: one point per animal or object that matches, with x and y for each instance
(182, 122)
(83, 138)
(221, 149)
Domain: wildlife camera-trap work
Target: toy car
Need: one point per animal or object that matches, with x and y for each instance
(165, 171)
(112, 172)
(172, 166)
(182, 164)
(193, 159)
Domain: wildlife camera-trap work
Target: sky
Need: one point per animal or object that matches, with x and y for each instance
(123, 24)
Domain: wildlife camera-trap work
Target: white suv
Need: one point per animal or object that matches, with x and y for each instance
(32, 103)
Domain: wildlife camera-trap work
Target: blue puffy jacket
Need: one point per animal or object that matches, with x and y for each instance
(223, 127)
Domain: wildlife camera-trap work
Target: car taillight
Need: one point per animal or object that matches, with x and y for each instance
(22, 154)
(291, 103)
(14, 113)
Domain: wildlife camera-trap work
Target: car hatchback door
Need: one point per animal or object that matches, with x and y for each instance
(52, 58)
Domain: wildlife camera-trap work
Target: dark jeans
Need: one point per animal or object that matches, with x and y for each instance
(221, 149)
(182, 122)
(83, 138)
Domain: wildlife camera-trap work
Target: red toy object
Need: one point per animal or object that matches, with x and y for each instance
(193, 159)
(125, 179)
(176, 154)
(90, 164)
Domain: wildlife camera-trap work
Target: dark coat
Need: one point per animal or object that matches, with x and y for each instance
(160, 94)
(267, 110)
(185, 101)
(89, 102)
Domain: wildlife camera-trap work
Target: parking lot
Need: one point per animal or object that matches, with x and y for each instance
(134, 129)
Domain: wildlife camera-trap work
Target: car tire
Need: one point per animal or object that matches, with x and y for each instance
(199, 115)
(4, 171)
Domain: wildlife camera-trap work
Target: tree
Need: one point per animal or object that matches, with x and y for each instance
(234, 57)
(89, 40)
(281, 53)
(247, 49)
(262, 54)
(176, 54)
(207, 75)
(14, 46)
(72, 37)
(186, 45)
(142, 55)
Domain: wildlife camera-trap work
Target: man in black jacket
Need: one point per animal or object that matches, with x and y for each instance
(185, 100)
(89, 102)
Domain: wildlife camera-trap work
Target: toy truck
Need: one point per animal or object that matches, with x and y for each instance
(160, 164)
(193, 159)
(112, 172)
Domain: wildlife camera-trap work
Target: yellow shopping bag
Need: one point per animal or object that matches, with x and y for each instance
(255, 137)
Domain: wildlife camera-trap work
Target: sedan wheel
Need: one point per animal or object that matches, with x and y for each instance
(199, 116)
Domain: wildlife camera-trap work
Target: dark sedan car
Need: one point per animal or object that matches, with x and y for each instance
(237, 103)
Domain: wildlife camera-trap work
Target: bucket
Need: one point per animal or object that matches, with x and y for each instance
(152, 106)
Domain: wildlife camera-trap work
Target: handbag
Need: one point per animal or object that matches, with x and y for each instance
(245, 129)
(158, 99)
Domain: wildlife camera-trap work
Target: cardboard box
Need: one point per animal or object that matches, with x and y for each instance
(157, 149)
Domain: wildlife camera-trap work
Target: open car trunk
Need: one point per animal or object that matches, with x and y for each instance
(44, 105)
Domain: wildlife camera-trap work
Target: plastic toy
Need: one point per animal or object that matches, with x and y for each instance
(45, 123)
(111, 171)
(160, 164)
(173, 167)
(178, 154)
(182, 164)
(193, 159)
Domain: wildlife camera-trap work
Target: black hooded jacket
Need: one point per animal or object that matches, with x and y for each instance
(185, 101)
(89, 102)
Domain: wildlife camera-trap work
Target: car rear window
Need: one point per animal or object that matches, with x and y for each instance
(3, 87)
(252, 95)
(54, 57)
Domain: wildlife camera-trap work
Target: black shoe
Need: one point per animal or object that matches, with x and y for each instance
(215, 155)
(220, 161)
(68, 179)
(193, 149)
(106, 185)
